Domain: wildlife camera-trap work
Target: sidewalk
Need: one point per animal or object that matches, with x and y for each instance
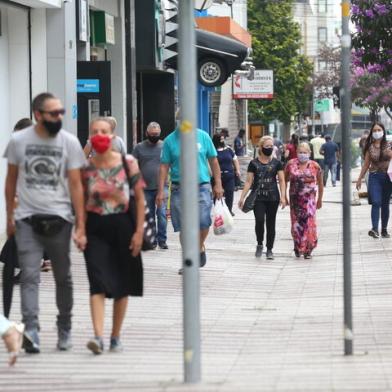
(266, 326)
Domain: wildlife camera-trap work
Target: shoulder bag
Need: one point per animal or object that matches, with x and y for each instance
(149, 235)
(249, 202)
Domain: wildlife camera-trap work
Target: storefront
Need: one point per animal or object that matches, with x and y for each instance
(23, 59)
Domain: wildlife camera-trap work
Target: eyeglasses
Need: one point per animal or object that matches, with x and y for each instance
(54, 113)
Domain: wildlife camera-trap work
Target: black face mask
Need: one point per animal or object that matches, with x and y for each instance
(53, 128)
(267, 151)
(153, 138)
(221, 144)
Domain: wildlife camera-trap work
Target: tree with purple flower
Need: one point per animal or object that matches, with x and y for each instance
(372, 54)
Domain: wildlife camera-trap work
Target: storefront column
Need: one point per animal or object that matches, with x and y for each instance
(62, 57)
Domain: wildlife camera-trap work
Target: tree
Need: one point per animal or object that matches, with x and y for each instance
(276, 40)
(324, 81)
(372, 55)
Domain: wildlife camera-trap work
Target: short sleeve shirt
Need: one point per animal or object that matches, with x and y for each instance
(225, 158)
(330, 149)
(148, 156)
(292, 151)
(265, 179)
(43, 165)
(171, 155)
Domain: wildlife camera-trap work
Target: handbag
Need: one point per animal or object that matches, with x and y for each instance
(149, 232)
(46, 225)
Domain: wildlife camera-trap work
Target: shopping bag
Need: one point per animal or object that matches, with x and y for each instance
(223, 220)
(390, 170)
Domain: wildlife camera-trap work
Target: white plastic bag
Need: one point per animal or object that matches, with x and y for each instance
(223, 220)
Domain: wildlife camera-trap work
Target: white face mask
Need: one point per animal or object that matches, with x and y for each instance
(377, 135)
(303, 157)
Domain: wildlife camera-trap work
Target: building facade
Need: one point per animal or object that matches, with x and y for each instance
(80, 51)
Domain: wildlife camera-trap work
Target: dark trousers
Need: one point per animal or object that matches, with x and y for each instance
(228, 185)
(265, 211)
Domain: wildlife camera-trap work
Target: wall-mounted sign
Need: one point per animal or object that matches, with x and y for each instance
(109, 26)
(261, 87)
(321, 105)
(102, 28)
(83, 21)
(87, 86)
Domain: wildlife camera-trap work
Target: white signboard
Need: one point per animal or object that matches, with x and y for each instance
(109, 26)
(261, 87)
(83, 20)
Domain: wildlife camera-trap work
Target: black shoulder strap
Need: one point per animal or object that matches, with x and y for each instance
(132, 180)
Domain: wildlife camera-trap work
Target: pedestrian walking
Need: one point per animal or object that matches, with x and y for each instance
(378, 154)
(239, 145)
(12, 335)
(262, 176)
(117, 142)
(230, 169)
(207, 158)
(44, 163)
(114, 237)
(46, 264)
(330, 151)
(148, 154)
(279, 149)
(305, 196)
(291, 147)
(317, 142)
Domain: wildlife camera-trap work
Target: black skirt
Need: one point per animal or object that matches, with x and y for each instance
(111, 268)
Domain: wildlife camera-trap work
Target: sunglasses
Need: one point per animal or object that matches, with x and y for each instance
(54, 113)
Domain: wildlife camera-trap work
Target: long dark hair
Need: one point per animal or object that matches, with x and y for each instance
(294, 140)
(369, 139)
(216, 138)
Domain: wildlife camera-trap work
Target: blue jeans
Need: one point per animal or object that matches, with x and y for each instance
(205, 206)
(330, 167)
(380, 190)
(159, 213)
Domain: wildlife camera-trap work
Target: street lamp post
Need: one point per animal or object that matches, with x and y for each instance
(189, 192)
(345, 94)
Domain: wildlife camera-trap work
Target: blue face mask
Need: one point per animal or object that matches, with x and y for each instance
(303, 157)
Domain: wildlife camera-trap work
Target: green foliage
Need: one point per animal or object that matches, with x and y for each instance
(276, 40)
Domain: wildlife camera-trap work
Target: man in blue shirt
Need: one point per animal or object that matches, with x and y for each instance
(330, 151)
(239, 146)
(207, 158)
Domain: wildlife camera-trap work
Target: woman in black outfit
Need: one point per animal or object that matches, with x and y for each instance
(230, 168)
(263, 172)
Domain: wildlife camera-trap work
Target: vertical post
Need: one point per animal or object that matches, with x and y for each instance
(189, 191)
(345, 94)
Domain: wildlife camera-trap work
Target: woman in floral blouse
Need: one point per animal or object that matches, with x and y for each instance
(306, 195)
(114, 240)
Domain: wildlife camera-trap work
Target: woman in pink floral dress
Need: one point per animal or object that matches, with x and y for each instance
(306, 194)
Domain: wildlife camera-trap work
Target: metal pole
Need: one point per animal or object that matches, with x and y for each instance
(189, 191)
(345, 94)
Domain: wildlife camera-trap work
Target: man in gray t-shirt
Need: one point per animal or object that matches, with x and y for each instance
(44, 163)
(148, 154)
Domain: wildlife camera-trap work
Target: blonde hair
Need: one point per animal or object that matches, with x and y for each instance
(264, 139)
(104, 119)
(112, 121)
(305, 146)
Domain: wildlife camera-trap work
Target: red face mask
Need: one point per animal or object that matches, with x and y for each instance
(101, 143)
